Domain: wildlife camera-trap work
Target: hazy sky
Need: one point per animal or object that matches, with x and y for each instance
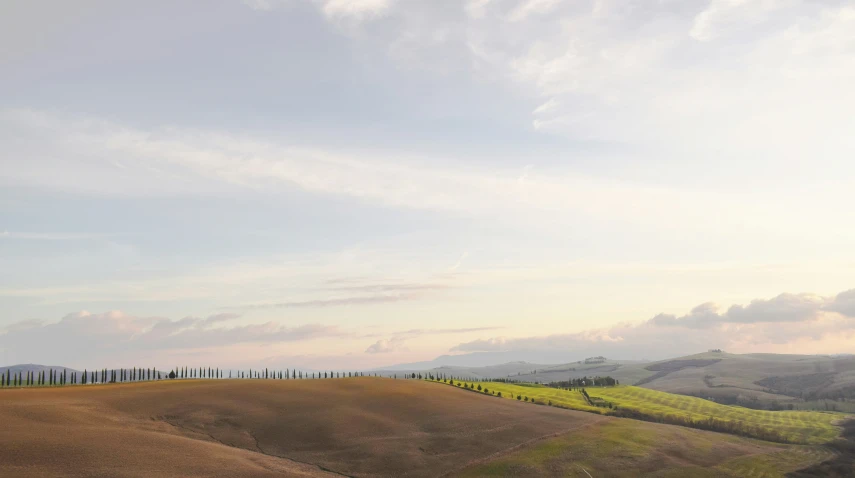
(356, 183)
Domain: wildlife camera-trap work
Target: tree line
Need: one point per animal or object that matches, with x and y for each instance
(55, 377)
(576, 383)
(60, 377)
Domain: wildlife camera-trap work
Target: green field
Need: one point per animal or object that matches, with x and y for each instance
(630, 448)
(794, 426)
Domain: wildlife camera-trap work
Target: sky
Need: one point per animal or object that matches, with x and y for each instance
(351, 184)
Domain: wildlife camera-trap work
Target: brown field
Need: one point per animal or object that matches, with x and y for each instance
(359, 426)
(355, 427)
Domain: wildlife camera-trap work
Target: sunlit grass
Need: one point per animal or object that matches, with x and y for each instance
(806, 427)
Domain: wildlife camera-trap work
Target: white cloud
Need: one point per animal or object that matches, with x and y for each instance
(532, 7)
(357, 9)
(353, 10)
(476, 8)
(383, 346)
(796, 323)
(723, 14)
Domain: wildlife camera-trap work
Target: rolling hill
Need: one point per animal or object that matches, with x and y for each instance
(766, 381)
(355, 426)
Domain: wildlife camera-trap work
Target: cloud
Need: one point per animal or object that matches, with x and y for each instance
(532, 7)
(88, 338)
(53, 236)
(463, 330)
(392, 287)
(726, 14)
(792, 323)
(213, 319)
(398, 340)
(355, 10)
(186, 162)
(459, 261)
(780, 309)
(843, 303)
(383, 346)
(718, 79)
(482, 345)
(336, 302)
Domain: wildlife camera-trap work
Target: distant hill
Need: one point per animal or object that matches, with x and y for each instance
(752, 380)
(34, 367)
(758, 378)
(485, 359)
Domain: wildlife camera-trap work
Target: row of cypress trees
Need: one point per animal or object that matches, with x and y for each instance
(52, 377)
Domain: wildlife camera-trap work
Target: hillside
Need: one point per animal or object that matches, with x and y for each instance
(759, 378)
(358, 427)
(784, 426)
(622, 448)
(752, 380)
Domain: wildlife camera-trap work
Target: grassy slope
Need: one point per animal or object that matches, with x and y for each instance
(629, 448)
(796, 426)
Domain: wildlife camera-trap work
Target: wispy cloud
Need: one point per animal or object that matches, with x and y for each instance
(459, 261)
(337, 302)
(355, 10)
(186, 162)
(85, 337)
(54, 236)
(397, 342)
